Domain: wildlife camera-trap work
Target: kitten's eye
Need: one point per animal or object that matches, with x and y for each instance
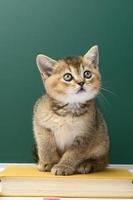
(87, 74)
(68, 77)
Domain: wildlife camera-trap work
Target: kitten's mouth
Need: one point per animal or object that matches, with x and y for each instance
(81, 90)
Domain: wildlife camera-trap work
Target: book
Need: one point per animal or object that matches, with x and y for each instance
(17, 180)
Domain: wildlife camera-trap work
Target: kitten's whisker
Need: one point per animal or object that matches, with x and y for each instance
(105, 99)
(100, 100)
(102, 88)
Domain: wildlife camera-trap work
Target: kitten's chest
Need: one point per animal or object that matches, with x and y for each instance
(65, 129)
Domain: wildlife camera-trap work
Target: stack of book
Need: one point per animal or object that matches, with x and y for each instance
(28, 181)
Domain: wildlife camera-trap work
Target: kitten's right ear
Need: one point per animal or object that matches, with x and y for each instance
(45, 65)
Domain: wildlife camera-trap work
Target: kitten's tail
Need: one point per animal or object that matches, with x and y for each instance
(35, 153)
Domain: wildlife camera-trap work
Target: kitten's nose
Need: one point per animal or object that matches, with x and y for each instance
(81, 83)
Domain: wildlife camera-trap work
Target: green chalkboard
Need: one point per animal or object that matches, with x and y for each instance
(60, 28)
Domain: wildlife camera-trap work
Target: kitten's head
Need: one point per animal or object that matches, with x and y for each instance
(73, 79)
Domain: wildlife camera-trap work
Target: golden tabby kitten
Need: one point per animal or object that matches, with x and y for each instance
(70, 132)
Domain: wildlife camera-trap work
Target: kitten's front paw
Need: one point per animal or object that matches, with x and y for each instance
(62, 170)
(84, 168)
(44, 167)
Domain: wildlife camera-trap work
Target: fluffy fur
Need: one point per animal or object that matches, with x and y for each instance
(70, 132)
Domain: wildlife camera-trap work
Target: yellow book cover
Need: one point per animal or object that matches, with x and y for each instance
(28, 181)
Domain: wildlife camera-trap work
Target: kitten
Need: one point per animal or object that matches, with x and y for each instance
(70, 132)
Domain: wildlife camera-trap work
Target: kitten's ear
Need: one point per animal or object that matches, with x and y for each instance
(45, 65)
(93, 56)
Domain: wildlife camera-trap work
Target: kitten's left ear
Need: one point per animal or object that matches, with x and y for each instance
(93, 56)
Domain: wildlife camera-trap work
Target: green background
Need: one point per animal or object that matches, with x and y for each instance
(60, 28)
